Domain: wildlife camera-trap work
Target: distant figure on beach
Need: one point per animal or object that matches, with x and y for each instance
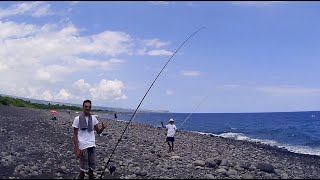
(84, 139)
(53, 114)
(115, 116)
(170, 133)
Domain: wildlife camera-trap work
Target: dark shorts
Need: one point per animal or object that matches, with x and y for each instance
(87, 159)
(171, 139)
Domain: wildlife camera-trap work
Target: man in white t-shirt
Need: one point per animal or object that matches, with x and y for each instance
(170, 134)
(84, 139)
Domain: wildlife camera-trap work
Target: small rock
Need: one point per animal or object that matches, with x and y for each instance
(209, 176)
(247, 176)
(284, 176)
(211, 163)
(221, 170)
(176, 157)
(268, 176)
(232, 172)
(224, 162)
(34, 168)
(199, 163)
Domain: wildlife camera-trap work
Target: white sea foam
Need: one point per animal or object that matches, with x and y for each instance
(291, 148)
(121, 120)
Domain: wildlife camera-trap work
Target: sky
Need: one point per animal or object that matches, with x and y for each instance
(251, 56)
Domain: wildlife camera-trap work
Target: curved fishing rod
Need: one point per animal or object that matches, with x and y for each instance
(193, 111)
(143, 99)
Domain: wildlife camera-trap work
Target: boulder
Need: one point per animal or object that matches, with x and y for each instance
(265, 167)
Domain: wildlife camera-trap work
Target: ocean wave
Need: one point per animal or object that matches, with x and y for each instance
(292, 148)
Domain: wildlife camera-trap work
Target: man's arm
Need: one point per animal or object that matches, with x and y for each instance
(162, 124)
(76, 142)
(98, 130)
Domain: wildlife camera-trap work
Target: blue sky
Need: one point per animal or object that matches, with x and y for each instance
(251, 57)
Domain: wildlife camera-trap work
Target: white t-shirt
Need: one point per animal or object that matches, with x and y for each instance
(86, 138)
(171, 130)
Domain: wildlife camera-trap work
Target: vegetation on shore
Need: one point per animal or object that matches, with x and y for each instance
(17, 102)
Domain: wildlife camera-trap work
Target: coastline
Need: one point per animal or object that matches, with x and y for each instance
(34, 146)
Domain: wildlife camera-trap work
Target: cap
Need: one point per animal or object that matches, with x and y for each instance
(171, 120)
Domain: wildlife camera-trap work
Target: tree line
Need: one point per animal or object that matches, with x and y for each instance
(17, 102)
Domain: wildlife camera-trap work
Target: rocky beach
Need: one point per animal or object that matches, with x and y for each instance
(33, 146)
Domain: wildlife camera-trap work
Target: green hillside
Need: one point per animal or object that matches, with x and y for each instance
(17, 102)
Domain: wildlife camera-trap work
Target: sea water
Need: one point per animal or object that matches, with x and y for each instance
(295, 131)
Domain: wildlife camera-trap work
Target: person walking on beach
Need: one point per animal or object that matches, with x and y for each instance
(115, 116)
(84, 139)
(170, 133)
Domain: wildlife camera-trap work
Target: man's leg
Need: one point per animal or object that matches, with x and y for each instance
(81, 175)
(92, 159)
(91, 174)
(169, 144)
(172, 147)
(83, 163)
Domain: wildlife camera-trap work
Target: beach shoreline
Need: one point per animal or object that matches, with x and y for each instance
(34, 146)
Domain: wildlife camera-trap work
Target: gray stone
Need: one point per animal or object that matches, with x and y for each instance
(232, 172)
(209, 176)
(224, 162)
(247, 176)
(34, 168)
(265, 167)
(176, 157)
(268, 176)
(210, 162)
(245, 165)
(284, 176)
(199, 163)
(221, 170)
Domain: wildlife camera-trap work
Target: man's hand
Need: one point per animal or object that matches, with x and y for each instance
(77, 152)
(99, 130)
(103, 126)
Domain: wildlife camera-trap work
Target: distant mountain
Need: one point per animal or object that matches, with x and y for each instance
(123, 110)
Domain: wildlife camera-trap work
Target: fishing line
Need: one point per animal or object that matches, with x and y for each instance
(143, 99)
(193, 111)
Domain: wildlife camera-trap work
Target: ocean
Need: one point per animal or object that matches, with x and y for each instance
(297, 132)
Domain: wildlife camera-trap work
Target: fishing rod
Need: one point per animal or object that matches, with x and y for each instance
(143, 99)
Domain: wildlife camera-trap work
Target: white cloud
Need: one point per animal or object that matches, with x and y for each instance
(229, 86)
(111, 43)
(52, 73)
(190, 73)
(74, 2)
(108, 89)
(159, 52)
(13, 30)
(161, 2)
(81, 86)
(3, 67)
(36, 9)
(169, 92)
(45, 60)
(46, 95)
(157, 43)
(288, 90)
(64, 95)
(256, 3)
